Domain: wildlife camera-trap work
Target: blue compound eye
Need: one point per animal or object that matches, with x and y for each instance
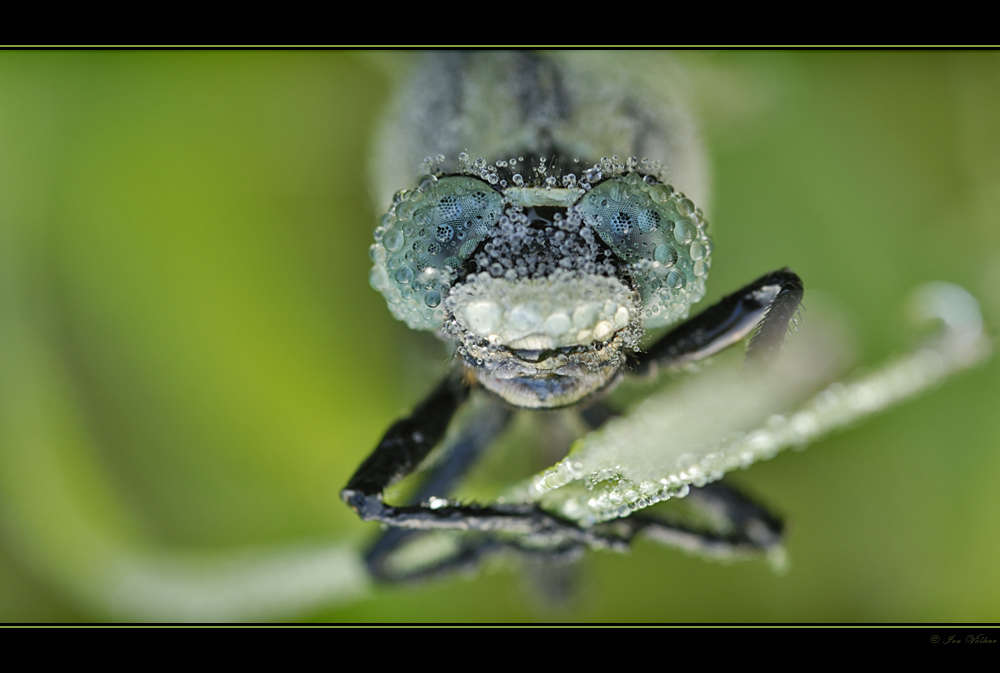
(660, 235)
(423, 240)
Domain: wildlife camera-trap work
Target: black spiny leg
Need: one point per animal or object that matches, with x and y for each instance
(764, 308)
(440, 480)
(401, 451)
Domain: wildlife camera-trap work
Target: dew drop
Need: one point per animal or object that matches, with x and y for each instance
(445, 232)
(685, 207)
(403, 275)
(404, 211)
(661, 193)
(665, 255)
(683, 232)
(393, 240)
(648, 220)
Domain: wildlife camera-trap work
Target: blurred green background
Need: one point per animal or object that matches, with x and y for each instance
(192, 362)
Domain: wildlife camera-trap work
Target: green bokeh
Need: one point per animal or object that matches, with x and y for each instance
(192, 362)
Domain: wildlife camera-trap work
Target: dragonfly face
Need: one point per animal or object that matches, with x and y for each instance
(544, 286)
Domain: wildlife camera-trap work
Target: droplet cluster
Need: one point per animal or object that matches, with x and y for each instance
(492, 222)
(555, 311)
(423, 240)
(660, 234)
(528, 243)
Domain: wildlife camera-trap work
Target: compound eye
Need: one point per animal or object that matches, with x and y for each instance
(660, 235)
(423, 240)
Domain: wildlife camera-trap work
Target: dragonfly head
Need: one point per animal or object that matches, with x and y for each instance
(544, 288)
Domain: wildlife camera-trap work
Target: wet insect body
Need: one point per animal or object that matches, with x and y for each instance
(545, 265)
(546, 236)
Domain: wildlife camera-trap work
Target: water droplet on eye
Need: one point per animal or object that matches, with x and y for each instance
(444, 233)
(404, 211)
(661, 193)
(621, 224)
(450, 207)
(683, 231)
(697, 251)
(685, 207)
(403, 275)
(393, 240)
(432, 298)
(675, 279)
(665, 255)
(648, 220)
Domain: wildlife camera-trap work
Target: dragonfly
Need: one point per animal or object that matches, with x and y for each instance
(107, 488)
(543, 219)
